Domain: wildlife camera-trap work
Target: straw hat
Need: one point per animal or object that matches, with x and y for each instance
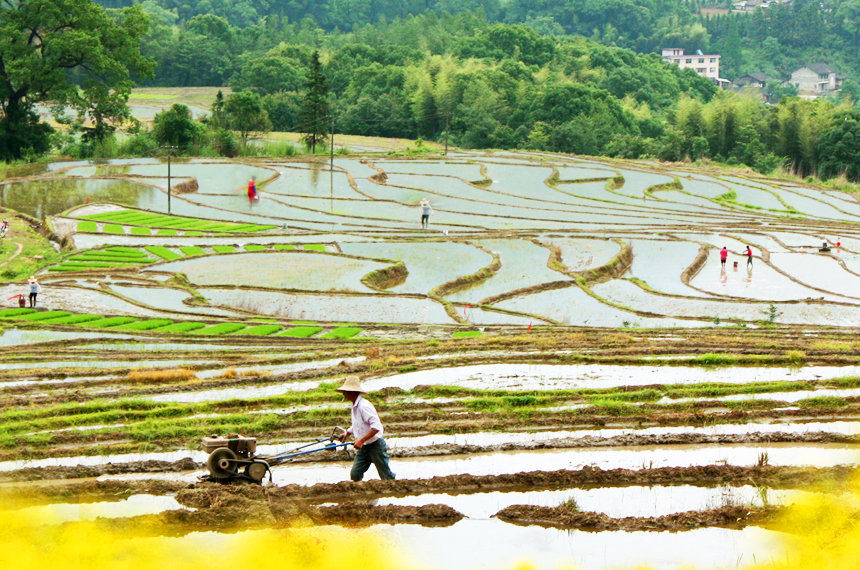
(32, 279)
(424, 202)
(351, 384)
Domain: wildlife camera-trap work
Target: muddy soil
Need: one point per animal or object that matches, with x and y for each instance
(358, 514)
(734, 517)
(85, 471)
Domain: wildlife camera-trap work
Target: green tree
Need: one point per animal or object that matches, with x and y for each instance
(70, 52)
(175, 127)
(313, 120)
(838, 147)
(245, 113)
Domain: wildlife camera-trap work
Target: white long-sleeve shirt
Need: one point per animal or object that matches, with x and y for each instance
(364, 418)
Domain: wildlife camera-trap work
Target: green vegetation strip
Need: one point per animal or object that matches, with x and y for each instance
(162, 252)
(466, 334)
(281, 246)
(141, 218)
(222, 328)
(179, 328)
(72, 320)
(255, 247)
(6, 313)
(315, 247)
(223, 248)
(191, 250)
(109, 322)
(342, 333)
(87, 227)
(148, 325)
(45, 315)
(301, 332)
(261, 330)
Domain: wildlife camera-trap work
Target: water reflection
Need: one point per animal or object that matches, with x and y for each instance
(49, 197)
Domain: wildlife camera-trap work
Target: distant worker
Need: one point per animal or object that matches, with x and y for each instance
(367, 430)
(5, 227)
(252, 190)
(748, 253)
(425, 213)
(724, 255)
(35, 289)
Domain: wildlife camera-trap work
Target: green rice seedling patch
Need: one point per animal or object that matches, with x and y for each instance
(6, 313)
(823, 402)
(87, 227)
(255, 247)
(303, 323)
(261, 330)
(147, 325)
(282, 246)
(223, 248)
(111, 259)
(124, 250)
(45, 315)
(342, 333)
(135, 231)
(191, 250)
(182, 328)
(194, 233)
(72, 320)
(162, 252)
(466, 334)
(222, 328)
(343, 324)
(263, 320)
(315, 247)
(109, 322)
(113, 229)
(163, 232)
(301, 332)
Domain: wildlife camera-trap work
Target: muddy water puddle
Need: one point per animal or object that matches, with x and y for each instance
(632, 457)
(790, 397)
(501, 438)
(135, 505)
(616, 502)
(15, 337)
(485, 544)
(257, 391)
(102, 364)
(575, 376)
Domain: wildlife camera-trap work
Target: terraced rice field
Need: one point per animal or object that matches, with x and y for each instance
(565, 371)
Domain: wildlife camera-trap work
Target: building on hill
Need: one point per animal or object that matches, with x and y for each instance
(816, 79)
(755, 79)
(752, 5)
(705, 65)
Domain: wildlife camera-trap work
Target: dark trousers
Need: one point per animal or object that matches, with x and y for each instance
(33, 299)
(425, 220)
(375, 453)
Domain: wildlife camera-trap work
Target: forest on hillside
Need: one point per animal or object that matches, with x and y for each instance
(453, 76)
(775, 40)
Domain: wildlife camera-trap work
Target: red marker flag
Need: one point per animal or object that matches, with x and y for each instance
(530, 327)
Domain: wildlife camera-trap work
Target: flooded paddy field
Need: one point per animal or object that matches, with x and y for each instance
(565, 371)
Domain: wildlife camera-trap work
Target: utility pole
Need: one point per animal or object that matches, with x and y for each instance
(446, 133)
(331, 170)
(168, 149)
(553, 136)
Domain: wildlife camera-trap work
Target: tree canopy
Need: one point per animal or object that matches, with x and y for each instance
(69, 52)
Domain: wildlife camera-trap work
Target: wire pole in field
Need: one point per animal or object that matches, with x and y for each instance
(168, 149)
(446, 133)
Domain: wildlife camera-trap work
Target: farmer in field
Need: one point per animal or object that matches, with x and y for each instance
(748, 253)
(425, 213)
(35, 289)
(252, 190)
(367, 430)
(724, 254)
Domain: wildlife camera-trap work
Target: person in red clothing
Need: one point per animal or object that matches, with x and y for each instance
(748, 253)
(252, 190)
(724, 254)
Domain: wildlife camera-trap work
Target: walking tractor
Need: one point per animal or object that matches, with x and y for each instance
(234, 457)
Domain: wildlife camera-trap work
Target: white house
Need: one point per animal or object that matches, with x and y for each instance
(705, 65)
(816, 78)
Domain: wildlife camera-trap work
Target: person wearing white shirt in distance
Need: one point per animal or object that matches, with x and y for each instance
(367, 430)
